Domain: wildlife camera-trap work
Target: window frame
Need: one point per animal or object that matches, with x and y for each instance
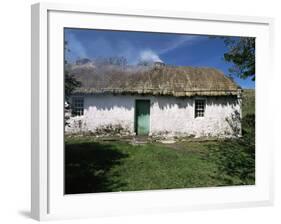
(74, 107)
(48, 201)
(204, 107)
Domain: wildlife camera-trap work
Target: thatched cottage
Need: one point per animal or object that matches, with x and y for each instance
(156, 100)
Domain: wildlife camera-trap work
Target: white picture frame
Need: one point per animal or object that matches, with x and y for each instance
(48, 201)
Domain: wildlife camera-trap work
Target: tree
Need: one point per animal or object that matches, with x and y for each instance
(241, 52)
(70, 84)
(115, 61)
(143, 63)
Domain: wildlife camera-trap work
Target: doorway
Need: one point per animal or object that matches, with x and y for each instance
(142, 117)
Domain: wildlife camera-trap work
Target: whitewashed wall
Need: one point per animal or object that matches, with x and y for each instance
(168, 115)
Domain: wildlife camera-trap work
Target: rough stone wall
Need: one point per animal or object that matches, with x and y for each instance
(177, 117)
(169, 116)
(105, 114)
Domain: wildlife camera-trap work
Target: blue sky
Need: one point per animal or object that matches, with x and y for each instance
(174, 49)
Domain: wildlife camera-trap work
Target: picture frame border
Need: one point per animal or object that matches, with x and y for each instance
(40, 102)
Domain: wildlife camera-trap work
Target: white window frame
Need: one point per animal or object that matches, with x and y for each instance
(204, 110)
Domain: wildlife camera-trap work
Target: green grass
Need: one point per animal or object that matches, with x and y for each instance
(248, 102)
(97, 166)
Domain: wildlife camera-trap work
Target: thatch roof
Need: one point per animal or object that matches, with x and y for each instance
(164, 80)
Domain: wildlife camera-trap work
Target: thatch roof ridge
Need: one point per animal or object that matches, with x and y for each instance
(166, 80)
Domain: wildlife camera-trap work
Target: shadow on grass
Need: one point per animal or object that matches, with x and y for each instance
(235, 158)
(87, 166)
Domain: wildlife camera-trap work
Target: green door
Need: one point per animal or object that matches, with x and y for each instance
(142, 117)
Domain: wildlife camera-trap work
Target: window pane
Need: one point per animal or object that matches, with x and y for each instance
(77, 106)
(199, 108)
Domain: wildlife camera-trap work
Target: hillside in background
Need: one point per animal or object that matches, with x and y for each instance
(248, 102)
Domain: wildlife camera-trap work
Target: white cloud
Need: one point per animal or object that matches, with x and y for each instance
(178, 42)
(102, 47)
(149, 56)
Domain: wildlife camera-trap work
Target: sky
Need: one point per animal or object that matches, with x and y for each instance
(172, 49)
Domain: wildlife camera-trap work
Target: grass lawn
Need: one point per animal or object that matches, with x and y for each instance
(109, 166)
(248, 102)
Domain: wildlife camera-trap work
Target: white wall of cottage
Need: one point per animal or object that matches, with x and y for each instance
(168, 115)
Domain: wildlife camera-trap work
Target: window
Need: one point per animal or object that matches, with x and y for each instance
(199, 108)
(77, 106)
